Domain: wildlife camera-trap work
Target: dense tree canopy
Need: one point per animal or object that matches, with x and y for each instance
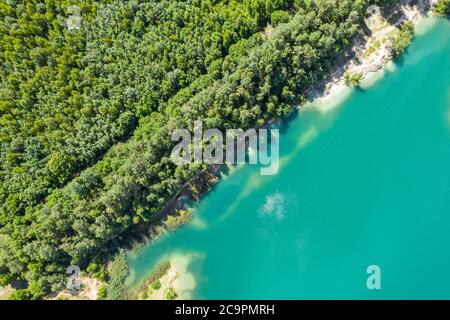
(68, 95)
(86, 115)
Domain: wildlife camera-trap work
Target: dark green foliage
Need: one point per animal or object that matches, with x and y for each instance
(86, 116)
(352, 79)
(119, 273)
(102, 292)
(152, 281)
(66, 97)
(98, 271)
(171, 294)
(279, 16)
(442, 7)
(155, 285)
(403, 39)
(21, 294)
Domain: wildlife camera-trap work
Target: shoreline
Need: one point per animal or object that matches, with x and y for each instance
(334, 90)
(170, 280)
(370, 55)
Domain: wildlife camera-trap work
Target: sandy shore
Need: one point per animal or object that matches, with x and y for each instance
(371, 56)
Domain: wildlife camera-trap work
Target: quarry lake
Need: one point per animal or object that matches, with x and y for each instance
(366, 182)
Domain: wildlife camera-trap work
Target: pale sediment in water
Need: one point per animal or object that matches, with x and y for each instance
(176, 278)
(305, 138)
(275, 202)
(371, 67)
(184, 283)
(425, 25)
(371, 187)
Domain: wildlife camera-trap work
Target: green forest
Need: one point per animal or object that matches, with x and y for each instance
(86, 113)
(443, 7)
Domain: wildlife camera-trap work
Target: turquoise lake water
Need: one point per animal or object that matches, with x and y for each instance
(367, 183)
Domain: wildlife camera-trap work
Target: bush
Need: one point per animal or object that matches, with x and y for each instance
(171, 294)
(142, 295)
(174, 222)
(155, 285)
(403, 39)
(279, 16)
(152, 281)
(22, 294)
(119, 273)
(102, 292)
(98, 271)
(442, 7)
(68, 190)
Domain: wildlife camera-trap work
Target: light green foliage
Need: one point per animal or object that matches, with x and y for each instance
(442, 7)
(402, 39)
(142, 295)
(86, 115)
(171, 294)
(22, 294)
(279, 16)
(98, 271)
(119, 272)
(352, 79)
(102, 292)
(67, 97)
(182, 217)
(152, 282)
